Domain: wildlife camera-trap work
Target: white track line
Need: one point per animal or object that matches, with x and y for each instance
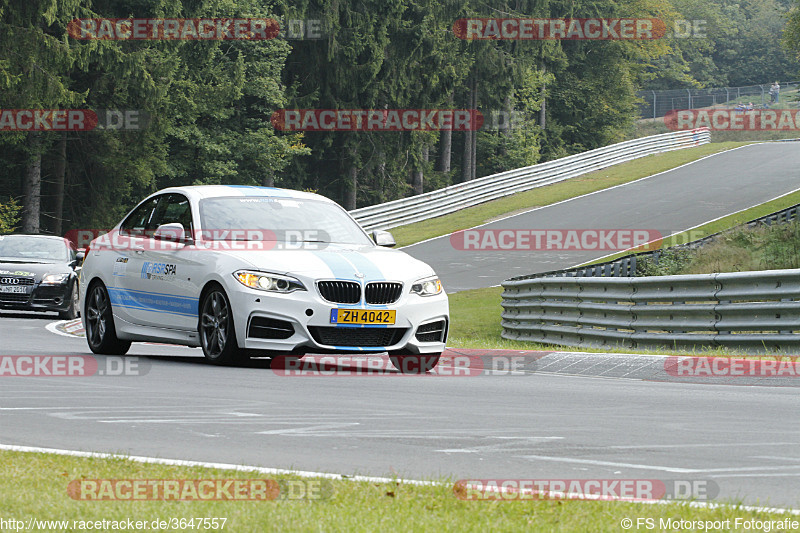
(369, 479)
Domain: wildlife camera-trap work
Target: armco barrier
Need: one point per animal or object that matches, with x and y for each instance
(757, 312)
(455, 197)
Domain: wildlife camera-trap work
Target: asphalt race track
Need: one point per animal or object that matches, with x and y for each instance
(669, 202)
(561, 416)
(568, 417)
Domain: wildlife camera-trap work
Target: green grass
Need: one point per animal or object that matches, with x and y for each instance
(739, 250)
(550, 194)
(34, 485)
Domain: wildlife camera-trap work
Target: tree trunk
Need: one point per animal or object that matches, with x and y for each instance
(417, 178)
(58, 185)
(349, 149)
(445, 147)
(474, 134)
(268, 181)
(544, 99)
(466, 159)
(352, 187)
(33, 186)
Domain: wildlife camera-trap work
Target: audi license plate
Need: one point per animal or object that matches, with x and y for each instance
(13, 290)
(361, 316)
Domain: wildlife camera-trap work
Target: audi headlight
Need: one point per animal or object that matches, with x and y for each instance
(269, 282)
(427, 287)
(55, 279)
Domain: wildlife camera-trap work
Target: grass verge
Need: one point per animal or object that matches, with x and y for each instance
(557, 192)
(34, 485)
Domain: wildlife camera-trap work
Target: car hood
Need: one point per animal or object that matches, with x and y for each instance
(35, 270)
(337, 262)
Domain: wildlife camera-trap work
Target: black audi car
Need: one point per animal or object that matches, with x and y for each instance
(39, 273)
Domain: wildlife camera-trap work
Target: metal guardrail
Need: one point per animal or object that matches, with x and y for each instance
(756, 312)
(456, 197)
(626, 266)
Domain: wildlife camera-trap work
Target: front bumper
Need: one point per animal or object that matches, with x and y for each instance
(299, 323)
(42, 298)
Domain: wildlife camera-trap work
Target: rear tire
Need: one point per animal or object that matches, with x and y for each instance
(217, 331)
(415, 363)
(100, 332)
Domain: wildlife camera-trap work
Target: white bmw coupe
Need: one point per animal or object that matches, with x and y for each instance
(257, 271)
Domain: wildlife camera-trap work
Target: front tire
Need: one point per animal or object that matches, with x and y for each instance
(73, 311)
(217, 331)
(100, 331)
(415, 363)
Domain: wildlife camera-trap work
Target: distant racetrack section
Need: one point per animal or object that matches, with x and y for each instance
(579, 229)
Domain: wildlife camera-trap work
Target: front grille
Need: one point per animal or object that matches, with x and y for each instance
(433, 332)
(269, 328)
(360, 337)
(14, 281)
(5, 280)
(340, 292)
(381, 293)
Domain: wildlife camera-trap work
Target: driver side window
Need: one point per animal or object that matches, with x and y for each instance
(140, 222)
(175, 208)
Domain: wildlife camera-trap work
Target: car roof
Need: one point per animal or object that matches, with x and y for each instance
(216, 191)
(33, 235)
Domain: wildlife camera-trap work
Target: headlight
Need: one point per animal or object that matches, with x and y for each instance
(427, 287)
(54, 279)
(268, 282)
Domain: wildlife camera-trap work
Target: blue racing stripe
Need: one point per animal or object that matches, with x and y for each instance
(365, 266)
(152, 301)
(340, 268)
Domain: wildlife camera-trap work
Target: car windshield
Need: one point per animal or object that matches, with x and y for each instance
(32, 249)
(284, 219)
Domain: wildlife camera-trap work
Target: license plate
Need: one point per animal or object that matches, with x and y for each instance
(14, 290)
(361, 316)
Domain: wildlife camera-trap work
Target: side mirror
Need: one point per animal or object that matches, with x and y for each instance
(383, 238)
(172, 232)
(80, 256)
